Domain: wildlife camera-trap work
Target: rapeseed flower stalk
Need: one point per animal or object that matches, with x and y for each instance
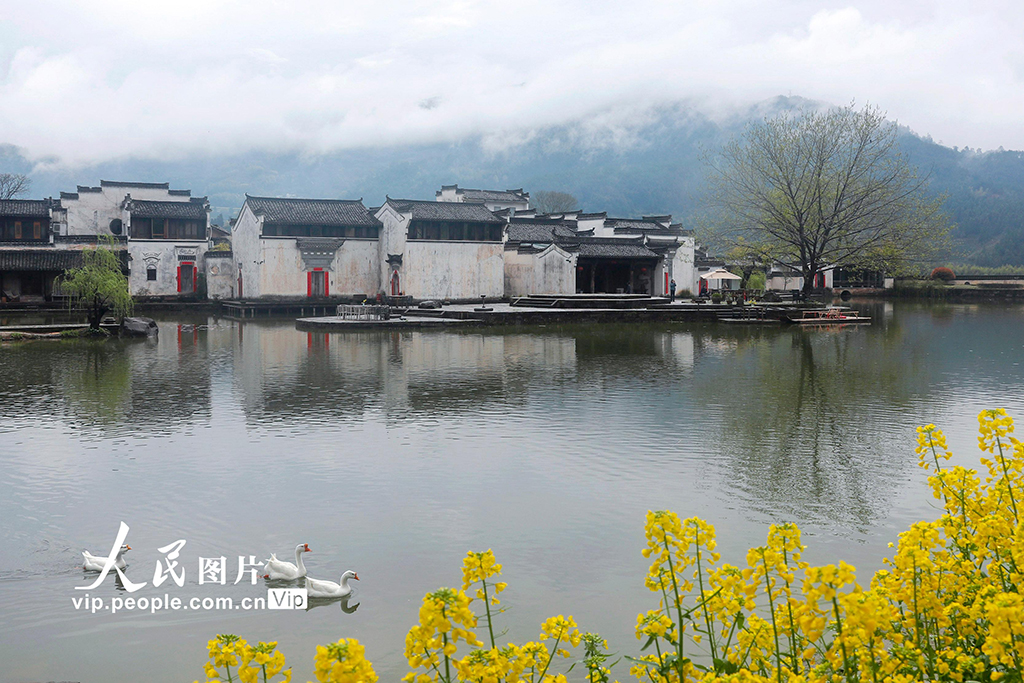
(445, 619)
(343, 662)
(595, 654)
(477, 568)
(226, 651)
(262, 659)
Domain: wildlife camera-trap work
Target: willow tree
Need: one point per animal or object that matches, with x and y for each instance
(99, 286)
(826, 188)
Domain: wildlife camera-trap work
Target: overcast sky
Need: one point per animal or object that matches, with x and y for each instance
(91, 81)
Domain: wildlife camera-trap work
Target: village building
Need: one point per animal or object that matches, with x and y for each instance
(603, 255)
(164, 233)
(783, 278)
(450, 250)
(313, 248)
(167, 244)
(540, 256)
(31, 252)
(495, 200)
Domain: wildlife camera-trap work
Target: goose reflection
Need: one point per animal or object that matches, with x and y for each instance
(322, 602)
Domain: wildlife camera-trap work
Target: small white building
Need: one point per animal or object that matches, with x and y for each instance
(782, 279)
(165, 232)
(291, 248)
(494, 200)
(606, 255)
(540, 257)
(672, 246)
(441, 250)
(167, 245)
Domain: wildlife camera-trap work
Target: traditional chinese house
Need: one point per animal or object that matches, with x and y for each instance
(29, 259)
(441, 250)
(306, 248)
(605, 255)
(164, 233)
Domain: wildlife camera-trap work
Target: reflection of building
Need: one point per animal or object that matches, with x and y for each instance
(283, 376)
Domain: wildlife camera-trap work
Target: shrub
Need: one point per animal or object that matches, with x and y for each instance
(716, 298)
(943, 273)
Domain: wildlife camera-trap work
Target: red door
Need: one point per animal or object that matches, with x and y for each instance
(187, 274)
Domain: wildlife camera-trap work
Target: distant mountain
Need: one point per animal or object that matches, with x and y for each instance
(643, 162)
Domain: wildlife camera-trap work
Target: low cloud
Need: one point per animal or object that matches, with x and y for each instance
(112, 79)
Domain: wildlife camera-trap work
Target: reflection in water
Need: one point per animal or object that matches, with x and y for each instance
(399, 451)
(323, 602)
(805, 423)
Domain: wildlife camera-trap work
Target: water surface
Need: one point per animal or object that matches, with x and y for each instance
(394, 453)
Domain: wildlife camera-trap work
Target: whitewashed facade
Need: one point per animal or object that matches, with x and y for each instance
(314, 248)
(783, 279)
(606, 255)
(165, 232)
(441, 250)
(167, 245)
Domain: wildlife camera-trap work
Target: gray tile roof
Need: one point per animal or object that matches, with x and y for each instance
(444, 211)
(148, 209)
(289, 211)
(493, 195)
(539, 232)
(119, 183)
(634, 225)
(36, 208)
(611, 248)
(39, 259)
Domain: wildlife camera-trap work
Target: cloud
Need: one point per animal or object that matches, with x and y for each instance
(110, 79)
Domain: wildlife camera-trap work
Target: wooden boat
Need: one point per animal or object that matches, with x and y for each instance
(827, 316)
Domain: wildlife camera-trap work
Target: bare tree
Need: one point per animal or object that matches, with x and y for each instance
(547, 201)
(826, 188)
(13, 185)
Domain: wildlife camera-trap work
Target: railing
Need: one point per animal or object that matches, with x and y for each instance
(363, 312)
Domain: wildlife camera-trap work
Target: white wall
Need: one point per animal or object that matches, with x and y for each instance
(552, 271)
(781, 283)
(683, 270)
(245, 243)
(92, 212)
(453, 270)
(221, 276)
(164, 254)
(355, 269)
(393, 233)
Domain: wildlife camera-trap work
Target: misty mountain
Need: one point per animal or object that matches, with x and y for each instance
(626, 163)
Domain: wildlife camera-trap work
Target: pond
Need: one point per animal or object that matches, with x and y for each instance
(392, 454)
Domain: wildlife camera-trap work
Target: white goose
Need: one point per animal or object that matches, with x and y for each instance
(316, 588)
(279, 570)
(94, 563)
